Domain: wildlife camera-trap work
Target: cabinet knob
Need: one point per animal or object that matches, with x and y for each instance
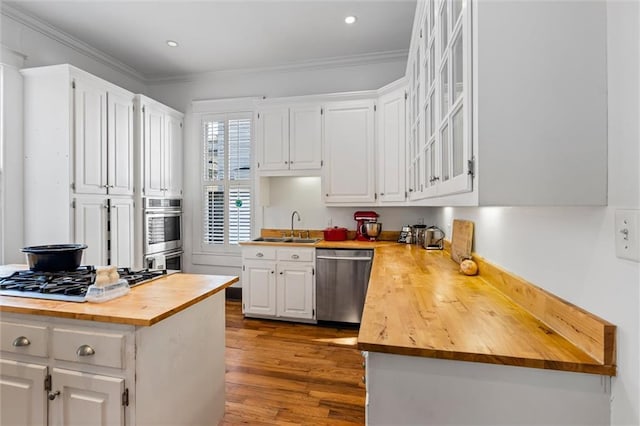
(273, 272)
(52, 395)
(295, 256)
(259, 255)
(286, 162)
(85, 350)
(281, 273)
(382, 194)
(21, 341)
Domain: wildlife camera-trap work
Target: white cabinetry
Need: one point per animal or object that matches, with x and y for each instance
(279, 282)
(289, 139)
(84, 372)
(499, 115)
(161, 138)
(348, 173)
(390, 140)
(79, 152)
(22, 386)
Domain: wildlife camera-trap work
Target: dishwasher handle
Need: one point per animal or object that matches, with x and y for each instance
(343, 258)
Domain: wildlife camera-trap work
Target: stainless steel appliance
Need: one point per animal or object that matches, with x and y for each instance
(361, 218)
(168, 260)
(68, 286)
(341, 284)
(433, 238)
(162, 225)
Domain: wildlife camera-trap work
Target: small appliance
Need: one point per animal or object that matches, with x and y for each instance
(433, 238)
(362, 218)
(405, 235)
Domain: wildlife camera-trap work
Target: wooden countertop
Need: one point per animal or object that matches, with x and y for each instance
(144, 305)
(419, 304)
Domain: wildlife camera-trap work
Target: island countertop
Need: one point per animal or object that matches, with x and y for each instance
(144, 305)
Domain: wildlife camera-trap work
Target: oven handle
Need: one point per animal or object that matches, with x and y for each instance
(162, 212)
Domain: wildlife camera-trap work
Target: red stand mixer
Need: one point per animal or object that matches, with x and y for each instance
(364, 218)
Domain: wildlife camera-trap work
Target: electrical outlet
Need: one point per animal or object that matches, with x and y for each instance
(329, 222)
(627, 234)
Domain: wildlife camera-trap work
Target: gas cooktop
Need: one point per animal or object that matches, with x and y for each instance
(68, 286)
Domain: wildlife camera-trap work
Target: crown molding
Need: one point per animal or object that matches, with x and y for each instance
(67, 40)
(310, 65)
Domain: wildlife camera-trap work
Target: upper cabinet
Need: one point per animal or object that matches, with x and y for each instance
(103, 127)
(161, 140)
(348, 172)
(289, 139)
(390, 143)
(499, 114)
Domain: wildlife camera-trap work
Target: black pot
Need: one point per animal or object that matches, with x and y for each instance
(54, 257)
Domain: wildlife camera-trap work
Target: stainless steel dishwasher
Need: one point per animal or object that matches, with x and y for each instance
(341, 283)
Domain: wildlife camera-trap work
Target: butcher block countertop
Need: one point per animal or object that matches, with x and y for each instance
(144, 305)
(419, 304)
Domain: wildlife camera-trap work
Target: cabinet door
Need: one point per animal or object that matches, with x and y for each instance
(173, 157)
(24, 400)
(90, 121)
(273, 139)
(153, 155)
(391, 147)
(259, 288)
(86, 399)
(121, 232)
(348, 174)
(120, 146)
(295, 290)
(91, 229)
(305, 145)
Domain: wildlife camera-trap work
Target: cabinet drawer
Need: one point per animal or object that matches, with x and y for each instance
(259, 253)
(23, 339)
(294, 254)
(89, 347)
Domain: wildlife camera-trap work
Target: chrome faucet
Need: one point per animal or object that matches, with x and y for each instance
(295, 212)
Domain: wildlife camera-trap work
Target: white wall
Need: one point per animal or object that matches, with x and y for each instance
(303, 194)
(570, 251)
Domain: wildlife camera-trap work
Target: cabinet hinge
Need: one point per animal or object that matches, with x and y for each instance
(420, 33)
(243, 267)
(470, 164)
(47, 383)
(143, 109)
(258, 164)
(374, 107)
(406, 95)
(313, 271)
(375, 195)
(313, 313)
(125, 397)
(321, 163)
(134, 108)
(73, 84)
(405, 195)
(73, 204)
(181, 125)
(258, 116)
(321, 111)
(73, 186)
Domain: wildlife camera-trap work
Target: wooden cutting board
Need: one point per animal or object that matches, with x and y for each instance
(461, 240)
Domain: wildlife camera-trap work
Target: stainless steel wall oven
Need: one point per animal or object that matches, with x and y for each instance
(162, 226)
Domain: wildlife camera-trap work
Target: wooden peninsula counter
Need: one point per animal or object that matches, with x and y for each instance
(153, 356)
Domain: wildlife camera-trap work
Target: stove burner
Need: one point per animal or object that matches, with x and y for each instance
(65, 285)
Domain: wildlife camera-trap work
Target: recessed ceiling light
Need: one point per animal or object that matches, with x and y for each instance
(172, 43)
(350, 20)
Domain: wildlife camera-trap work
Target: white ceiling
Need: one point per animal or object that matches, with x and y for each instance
(220, 35)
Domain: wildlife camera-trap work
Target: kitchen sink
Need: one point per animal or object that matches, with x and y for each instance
(286, 240)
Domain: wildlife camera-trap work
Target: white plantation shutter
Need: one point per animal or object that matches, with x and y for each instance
(226, 180)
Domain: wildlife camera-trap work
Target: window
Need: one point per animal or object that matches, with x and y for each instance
(226, 179)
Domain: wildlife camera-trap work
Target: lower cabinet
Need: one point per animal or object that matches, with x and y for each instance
(86, 399)
(279, 282)
(22, 386)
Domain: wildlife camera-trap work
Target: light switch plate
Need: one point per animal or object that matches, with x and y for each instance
(627, 236)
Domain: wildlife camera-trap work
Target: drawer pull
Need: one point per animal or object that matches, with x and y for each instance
(85, 350)
(21, 341)
(295, 256)
(259, 255)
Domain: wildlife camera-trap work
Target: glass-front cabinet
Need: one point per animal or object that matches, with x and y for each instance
(439, 119)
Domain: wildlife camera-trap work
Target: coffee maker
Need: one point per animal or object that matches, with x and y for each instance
(362, 218)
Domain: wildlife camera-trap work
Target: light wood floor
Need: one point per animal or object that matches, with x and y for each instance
(281, 373)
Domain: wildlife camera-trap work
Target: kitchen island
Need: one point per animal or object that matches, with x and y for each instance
(153, 356)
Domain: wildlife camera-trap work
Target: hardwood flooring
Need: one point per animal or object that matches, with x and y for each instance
(281, 373)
